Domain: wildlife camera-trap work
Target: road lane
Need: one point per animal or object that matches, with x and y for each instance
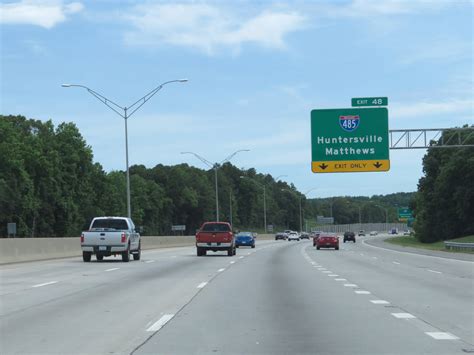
(95, 311)
(282, 297)
(443, 298)
(279, 302)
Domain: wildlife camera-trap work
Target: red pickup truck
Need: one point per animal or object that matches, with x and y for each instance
(215, 236)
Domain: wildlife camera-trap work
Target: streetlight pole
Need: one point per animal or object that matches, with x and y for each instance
(300, 198)
(216, 166)
(264, 202)
(230, 207)
(124, 113)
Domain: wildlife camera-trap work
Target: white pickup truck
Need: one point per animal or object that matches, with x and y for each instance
(111, 236)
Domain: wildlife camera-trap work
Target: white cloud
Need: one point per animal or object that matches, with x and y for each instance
(46, 14)
(374, 8)
(441, 49)
(208, 28)
(429, 108)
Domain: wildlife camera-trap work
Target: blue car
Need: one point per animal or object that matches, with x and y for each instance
(245, 239)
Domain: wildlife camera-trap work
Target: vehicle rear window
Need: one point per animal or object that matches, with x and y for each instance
(116, 224)
(216, 227)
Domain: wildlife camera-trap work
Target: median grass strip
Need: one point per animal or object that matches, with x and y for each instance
(409, 241)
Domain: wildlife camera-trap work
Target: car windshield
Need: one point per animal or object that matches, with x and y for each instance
(192, 132)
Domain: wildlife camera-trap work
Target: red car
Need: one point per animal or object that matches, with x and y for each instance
(327, 241)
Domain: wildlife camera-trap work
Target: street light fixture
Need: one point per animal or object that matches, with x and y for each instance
(216, 166)
(125, 113)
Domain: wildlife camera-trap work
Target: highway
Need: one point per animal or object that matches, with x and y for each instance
(279, 298)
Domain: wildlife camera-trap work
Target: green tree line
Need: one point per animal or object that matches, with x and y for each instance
(444, 203)
(51, 187)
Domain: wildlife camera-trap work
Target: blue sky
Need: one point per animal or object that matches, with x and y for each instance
(255, 70)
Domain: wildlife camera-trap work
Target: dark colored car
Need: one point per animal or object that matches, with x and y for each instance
(282, 236)
(304, 235)
(349, 236)
(245, 239)
(315, 236)
(327, 241)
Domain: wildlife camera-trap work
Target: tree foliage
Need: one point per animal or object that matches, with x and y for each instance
(444, 204)
(51, 187)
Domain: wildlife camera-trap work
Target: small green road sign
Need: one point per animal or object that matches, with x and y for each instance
(349, 140)
(404, 214)
(369, 101)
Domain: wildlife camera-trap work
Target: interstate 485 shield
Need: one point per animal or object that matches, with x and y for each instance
(350, 140)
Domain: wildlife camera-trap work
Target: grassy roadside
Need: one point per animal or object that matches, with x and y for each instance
(408, 241)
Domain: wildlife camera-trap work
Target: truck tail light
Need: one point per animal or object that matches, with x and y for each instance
(124, 238)
(82, 238)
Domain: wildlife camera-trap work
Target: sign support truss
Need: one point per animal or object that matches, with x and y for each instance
(431, 138)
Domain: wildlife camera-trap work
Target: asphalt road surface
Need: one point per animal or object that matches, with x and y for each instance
(279, 298)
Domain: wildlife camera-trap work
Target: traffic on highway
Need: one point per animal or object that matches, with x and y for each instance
(277, 298)
(243, 177)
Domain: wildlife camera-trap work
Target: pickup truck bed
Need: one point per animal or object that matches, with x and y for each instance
(215, 236)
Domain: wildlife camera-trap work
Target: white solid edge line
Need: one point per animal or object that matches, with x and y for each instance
(416, 254)
(442, 336)
(113, 269)
(379, 302)
(202, 284)
(160, 323)
(45, 284)
(220, 270)
(403, 315)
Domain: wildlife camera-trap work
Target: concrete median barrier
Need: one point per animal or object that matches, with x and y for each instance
(15, 250)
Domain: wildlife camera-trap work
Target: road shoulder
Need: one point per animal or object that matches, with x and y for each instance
(380, 242)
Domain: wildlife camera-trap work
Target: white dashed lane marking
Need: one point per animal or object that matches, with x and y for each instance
(220, 270)
(113, 269)
(403, 315)
(45, 284)
(333, 275)
(350, 285)
(396, 262)
(362, 292)
(442, 336)
(202, 284)
(434, 271)
(340, 279)
(149, 261)
(379, 302)
(160, 323)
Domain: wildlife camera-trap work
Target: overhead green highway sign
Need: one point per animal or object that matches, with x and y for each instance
(350, 140)
(369, 101)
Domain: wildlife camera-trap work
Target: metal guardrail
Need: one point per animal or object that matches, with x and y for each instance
(455, 245)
